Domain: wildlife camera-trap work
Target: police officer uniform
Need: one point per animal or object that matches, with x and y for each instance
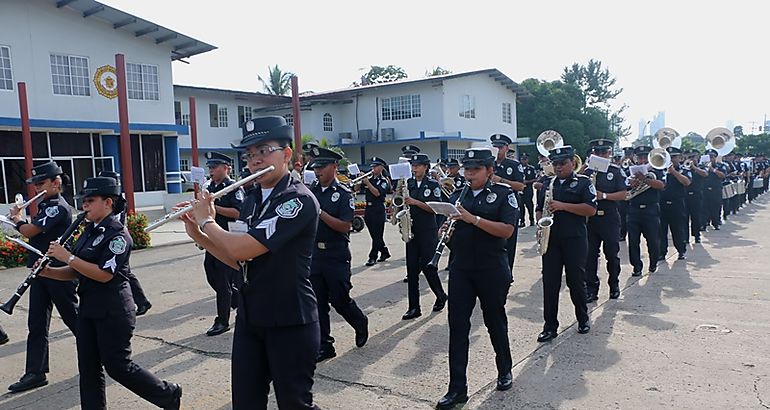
(107, 315)
(628, 153)
(511, 170)
(644, 219)
(567, 247)
(53, 217)
(604, 227)
(479, 271)
(459, 181)
(529, 193)
(140, 298)
(277, 334)
(712, 196)
(694, 199)
(420, 250)
(673, 210)
(374, 213)
(330, 266)
(220, 276)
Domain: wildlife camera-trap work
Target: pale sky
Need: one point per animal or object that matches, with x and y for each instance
(703, 63)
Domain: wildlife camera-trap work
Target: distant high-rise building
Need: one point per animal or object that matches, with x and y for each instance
(642, 126)
(730, 124)
(658, 122)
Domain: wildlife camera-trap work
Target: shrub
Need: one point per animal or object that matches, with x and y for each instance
(136, 224)
(11, 254)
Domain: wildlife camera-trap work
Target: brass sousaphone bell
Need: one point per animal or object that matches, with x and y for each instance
(721, 140)
(666, 137)
(548, 140)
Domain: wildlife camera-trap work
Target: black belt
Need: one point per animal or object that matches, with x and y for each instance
(331, 245)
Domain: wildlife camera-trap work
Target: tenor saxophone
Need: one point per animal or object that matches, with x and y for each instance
(545, 222)
(401, 214)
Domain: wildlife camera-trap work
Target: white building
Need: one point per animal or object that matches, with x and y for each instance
(65, 53)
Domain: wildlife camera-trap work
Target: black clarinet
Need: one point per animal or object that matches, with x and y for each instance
(8, 306)
(433, 264)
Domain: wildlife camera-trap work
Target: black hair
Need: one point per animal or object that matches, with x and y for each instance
(65, 179)
(118, 203)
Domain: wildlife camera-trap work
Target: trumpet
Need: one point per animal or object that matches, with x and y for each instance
(688, 164)
(356, 180)
(627, 163)
(230, 188)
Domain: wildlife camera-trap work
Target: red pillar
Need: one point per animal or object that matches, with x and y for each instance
(194, 137)
(125, 138)
(26, 139)
(295, 113)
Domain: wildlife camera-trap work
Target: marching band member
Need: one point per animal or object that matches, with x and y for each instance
(628, 158)
(644, 214)
(106, 315)
(376, 189)
(712, 196)
(488, 214)
(695, 194)
(673, 212)
(604, 226)
(511, 173)
(574, 199)
(330, 266)
(277, 335)
(421, 248)
(53, 217)
(527, 197)
(220, 276)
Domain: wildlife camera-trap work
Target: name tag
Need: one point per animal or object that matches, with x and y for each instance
(237, 226)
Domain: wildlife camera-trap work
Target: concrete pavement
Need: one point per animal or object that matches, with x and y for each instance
(692, 335)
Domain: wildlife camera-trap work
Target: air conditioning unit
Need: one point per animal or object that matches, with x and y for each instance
(345, 138)
(388, 134)
(365, 135)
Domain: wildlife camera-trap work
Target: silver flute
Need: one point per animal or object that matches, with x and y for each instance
(230, 188)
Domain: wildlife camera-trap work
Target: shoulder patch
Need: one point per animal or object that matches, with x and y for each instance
(437, 191)
(352, 203)
(289, 209)
(512, 200)
(239, 195)
(592, 189)
(118, 245)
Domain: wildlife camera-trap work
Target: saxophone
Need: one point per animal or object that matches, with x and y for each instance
(400, 214)
(545, 222)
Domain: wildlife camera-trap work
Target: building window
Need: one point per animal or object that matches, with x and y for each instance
(328, 125)
(69, 75)
(455, 153)
(289, 119)
(244, 114)
(222, 117)
(467, 106)
(213, 116)
(184, 164)
(6, 75)
(507, 118)
(142, 82)
(401, 108)
(185, 119)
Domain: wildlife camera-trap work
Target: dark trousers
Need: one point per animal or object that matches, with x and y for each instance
(510, 245)
(528, 205)
(220, 278)
(419, 251)
(694, 203)
(566, 255)
(643, 221)
(44, 294)
(374, 218)
(284, 355)
(136, 289)
(623, 211)
(673, 216)
(712, 203)
(491, 288)
(604, 232)
(330, 277)
(107, 342)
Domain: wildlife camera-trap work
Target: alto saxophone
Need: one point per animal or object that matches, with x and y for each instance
(401, 214)
(545, 222)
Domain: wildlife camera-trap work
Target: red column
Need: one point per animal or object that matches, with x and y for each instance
(125, 138)
(297, 126)
(26, 139)
(194, 138)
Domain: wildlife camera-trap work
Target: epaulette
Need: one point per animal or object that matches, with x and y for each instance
(583, 176)
(502, 184)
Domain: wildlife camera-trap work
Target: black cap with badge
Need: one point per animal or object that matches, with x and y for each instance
(712, 152)
(261, 129)
(478, 157)
(674, 151)
(500, 140)
(409, 150)
(643, 150)
(307, 148)
(49, 170)
(377, 161)
(452, 162)
(101, 186)
(601, 145)
(214, 158)
(565, 152)
(323, 157)
(419, 159)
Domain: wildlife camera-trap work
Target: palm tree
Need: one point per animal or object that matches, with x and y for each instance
(279, 82)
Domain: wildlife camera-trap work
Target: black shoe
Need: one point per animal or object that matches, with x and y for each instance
(140, 310)
(584, 328)
(371, 262)
(218, 328)
(451, 399)
(653, 268)
(385, 256)
(716, 228)
(636, 273)
(411, 314)
(697, 240)
(362, 333)
(440, 303)
(504, 382)
(29, 381)
(614, 294)
(661, 258)
(531, 223)
(325, 354)
(546, 335)
(591, 297)
(3, 337)
(177, 398)
(406, 279)
(681, 257)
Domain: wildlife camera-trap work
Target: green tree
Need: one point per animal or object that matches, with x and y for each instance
(753, 144)
(738, 131)
(378, 74)
(437, 71)
(278, 81)
(595, 82)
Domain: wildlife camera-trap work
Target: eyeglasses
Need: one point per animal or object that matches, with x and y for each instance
(261, 152)
(559, 162)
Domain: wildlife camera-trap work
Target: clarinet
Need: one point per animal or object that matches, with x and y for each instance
(433, 264)
(8, 306)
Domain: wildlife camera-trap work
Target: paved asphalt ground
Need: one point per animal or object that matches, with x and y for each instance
(693, 335)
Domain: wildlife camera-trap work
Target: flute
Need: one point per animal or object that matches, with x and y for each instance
(230, 188)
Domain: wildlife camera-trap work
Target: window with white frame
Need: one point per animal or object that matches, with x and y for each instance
(222, 117)
(185, 119)
(467, 106)
(455, 153)
(244, 114)
(507, 118)
(6, 74)
(184, 164)
(328, 125)
(142, 82)
(401, 108)
(69, 75)
(289, 119)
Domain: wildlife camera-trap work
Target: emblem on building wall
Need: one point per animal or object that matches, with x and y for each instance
(106, 81)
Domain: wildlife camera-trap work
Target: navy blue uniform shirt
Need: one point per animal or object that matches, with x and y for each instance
(510, 169)
(233, 199)
(650, 196)
(427, 191)
(576, 189)
(381, 184)
(674, 189)
(336, 201)
(53, 217)
(608, 182)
